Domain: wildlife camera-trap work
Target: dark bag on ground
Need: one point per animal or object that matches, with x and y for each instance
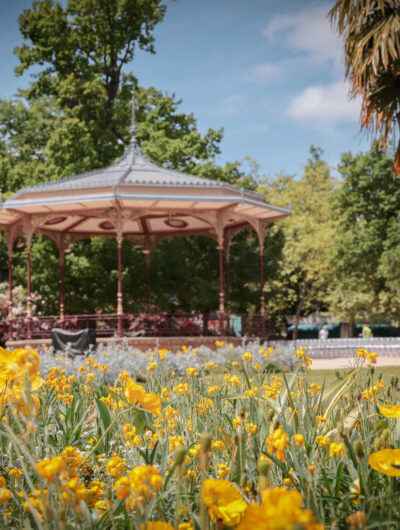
(76, 342)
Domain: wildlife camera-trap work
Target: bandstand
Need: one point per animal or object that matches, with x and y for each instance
(141, 202)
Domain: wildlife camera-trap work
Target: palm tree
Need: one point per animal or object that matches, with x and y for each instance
(371, 31)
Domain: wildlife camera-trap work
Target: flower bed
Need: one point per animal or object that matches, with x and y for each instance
(204, 442)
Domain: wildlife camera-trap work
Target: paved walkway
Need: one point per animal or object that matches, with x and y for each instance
(347, 362)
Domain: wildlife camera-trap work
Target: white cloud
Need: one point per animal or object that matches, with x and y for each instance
(264, 73)
(325, 105)
(232, 105)
(308, 31)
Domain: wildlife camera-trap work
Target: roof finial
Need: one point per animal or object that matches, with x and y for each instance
(133, 155)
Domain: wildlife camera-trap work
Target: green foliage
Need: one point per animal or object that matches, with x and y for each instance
(371, 35)
(82, 50)
(305, 271)
(366, 249)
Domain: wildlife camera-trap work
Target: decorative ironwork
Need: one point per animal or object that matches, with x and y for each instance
(176, 223)
(55, 221)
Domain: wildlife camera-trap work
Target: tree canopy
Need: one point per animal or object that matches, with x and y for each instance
(304, 271)
(366, 248)
(371, 31)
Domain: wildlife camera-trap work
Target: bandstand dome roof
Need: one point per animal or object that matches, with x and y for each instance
(138, 200)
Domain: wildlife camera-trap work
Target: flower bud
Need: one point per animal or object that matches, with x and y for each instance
(358, 448)
(179, 455)
(263, 467)
(205, 441)
(270, 414)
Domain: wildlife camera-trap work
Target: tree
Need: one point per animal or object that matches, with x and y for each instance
(82, 50)
(371, 31)
(305, 271)
(366, 250)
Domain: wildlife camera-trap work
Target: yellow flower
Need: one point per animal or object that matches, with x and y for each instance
(49, 468)
(386, 461)
(390, 411)
(277, 442)
(95, 491)
(336, 450)
(224, 501)
(122, 488)
(223, 471)
(181, 389)
(130, 434)
(251, 392)
(298, 440)
(151, 367)
(102, 506)
(5, 493)
(218, 445)
(157, 525)
(116, 466)
(73, 491)
(135, 393)
(210, 365)
(247, 356)
(373, 392)
(72, 458)
(267, 353)
(251, 428)
(322, 440)
(213, 389)
(185, 526)
(90, 377)
(280, 509)
(237, 422)
(356, 520)
(144, 480)
(191, 372)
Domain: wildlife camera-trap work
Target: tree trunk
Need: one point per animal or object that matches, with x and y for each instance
(300, 305)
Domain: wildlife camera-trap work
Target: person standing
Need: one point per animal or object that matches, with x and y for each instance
(366, 332)
(323, 333)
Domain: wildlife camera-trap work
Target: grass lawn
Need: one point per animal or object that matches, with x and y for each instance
(319, 376)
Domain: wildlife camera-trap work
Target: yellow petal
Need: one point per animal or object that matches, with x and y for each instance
(390, 411)
(386, 461)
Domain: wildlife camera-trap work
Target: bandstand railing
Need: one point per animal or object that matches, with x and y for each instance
(164, 324)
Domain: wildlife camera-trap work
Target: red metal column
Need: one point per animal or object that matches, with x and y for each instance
(228, 284)
(120, 309)
(10, 295)
(146, 253)
(221, 289)
(62, 314)
(262, 300)
(29, 298)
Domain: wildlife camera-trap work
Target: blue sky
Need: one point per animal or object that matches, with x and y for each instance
(271, 73)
